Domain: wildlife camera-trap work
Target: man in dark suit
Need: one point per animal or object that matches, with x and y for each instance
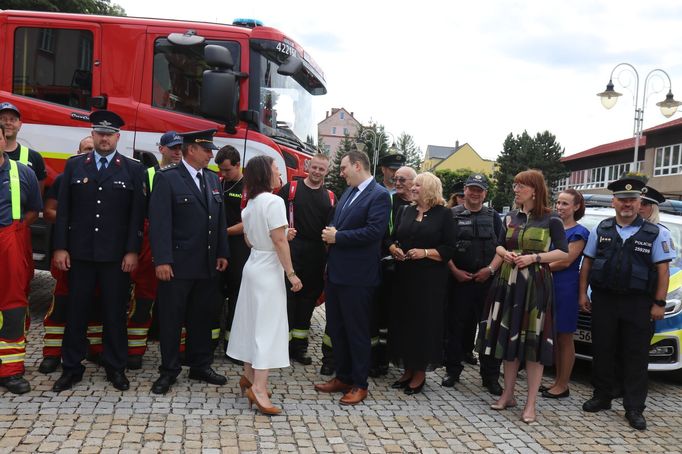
(188, 235)
(97, 238)
(353, 274)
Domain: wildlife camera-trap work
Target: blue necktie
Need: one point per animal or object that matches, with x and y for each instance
(102, 165)
(350, 197)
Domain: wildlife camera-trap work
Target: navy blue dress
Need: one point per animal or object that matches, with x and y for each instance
(566, 286)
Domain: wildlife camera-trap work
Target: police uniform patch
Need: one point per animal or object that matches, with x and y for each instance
(664, 245)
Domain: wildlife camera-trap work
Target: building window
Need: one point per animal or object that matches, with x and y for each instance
(53, 65)
(614, 172)
(668, 161)
(341, 115)
(333, 130)
(345, 131)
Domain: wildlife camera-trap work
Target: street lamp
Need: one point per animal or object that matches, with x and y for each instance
(668, 106)
(377, 140)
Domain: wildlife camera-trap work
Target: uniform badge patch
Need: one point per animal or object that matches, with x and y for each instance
(664, 245)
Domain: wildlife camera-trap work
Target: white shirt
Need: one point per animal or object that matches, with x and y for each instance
(361, 187)
(192, 171)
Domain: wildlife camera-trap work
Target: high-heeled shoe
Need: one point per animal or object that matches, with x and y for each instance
(270, 411)
(245, 384)
(398, 384)
(416, 390)
(503, 406)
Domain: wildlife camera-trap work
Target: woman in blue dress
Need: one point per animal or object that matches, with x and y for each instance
(570, 206)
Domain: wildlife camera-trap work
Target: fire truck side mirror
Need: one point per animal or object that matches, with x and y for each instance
(220, 97)
(291, 66)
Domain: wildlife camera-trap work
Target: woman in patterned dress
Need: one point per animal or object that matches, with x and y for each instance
(519, 314)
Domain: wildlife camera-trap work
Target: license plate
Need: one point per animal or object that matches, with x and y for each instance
(583, 335)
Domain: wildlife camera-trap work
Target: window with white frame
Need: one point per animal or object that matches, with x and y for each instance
(334, 130)
(615, 171)
(668, 160)
(341, 115)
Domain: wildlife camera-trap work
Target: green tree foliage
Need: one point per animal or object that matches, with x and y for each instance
(524, 152)
(102, 7)
(374, 136)
(451, 177)
(334, 181)
(413, 155)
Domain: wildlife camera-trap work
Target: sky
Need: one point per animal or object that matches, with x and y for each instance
(474, 72)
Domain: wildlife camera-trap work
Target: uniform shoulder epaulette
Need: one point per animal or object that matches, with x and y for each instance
(168, 167)
(78, 155)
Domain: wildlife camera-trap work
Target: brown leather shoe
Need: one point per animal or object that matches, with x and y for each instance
(333, 386)
(354, 396)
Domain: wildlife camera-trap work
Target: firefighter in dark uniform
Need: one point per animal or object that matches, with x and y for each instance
(20, 203)
(402, 179)
(309, 206)
(97, 238)
(187, 230)
(144, 276)
(474, 264)
(626, 264)
(229, 164)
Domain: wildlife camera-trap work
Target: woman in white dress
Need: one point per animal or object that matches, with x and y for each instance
(260, 330)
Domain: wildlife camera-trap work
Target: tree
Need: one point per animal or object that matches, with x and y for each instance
(524, 152)
(413, 155)
(334, 181)
(449, 178)
(101, 7)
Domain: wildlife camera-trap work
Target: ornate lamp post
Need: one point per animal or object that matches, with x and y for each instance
(376, 141)
(668, 106)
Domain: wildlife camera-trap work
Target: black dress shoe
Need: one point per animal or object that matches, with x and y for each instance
(162, 384)
(400, 384)
(327, 369)
(449, 381)
(208, 375)
(493, 387)
(301, 357)
(597, 404)
(118, 379)
(469, 358)
(636, 419)
(49, 364)
(374, 372)
(134, 362)
(15, 384)
(550, 395)
(66, 381)
(410, 390)
(383, 369)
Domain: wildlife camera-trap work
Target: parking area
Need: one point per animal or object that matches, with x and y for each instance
(196, 417)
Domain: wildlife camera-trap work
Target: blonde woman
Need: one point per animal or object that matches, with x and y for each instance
(423, 243)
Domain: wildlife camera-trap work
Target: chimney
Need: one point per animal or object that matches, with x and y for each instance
(456, 145)
(352, 114)
(327, 114)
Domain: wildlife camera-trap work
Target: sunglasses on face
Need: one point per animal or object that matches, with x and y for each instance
(401, 180)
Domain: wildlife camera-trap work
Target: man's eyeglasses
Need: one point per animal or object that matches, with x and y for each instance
(401, 180)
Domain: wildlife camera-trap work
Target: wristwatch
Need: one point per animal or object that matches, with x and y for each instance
(492, 270)
(660, 303)
(537, 258)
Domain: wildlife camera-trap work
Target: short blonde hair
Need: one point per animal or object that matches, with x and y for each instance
(431, 189)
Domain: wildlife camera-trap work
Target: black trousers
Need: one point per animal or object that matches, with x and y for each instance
(348, 312)
(381, 315)
(231, 281)
(84, 277)
(621, 326)
(196, 304)
(308, 259)
(463, 313)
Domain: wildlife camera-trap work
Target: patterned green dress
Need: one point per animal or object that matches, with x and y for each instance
(519, 311)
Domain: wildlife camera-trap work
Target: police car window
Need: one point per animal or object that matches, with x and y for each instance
(53, 64)
(178, 73)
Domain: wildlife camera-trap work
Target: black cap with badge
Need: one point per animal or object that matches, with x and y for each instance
(392, 161)
(477, 179)
(651, 195)
(626, 188)
(203, 138)
(106, 122)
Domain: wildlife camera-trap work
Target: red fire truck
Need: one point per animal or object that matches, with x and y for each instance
(252, 83)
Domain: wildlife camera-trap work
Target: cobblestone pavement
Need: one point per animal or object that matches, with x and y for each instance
(193, 417)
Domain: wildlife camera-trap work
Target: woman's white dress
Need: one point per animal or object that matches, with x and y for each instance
(260, 329)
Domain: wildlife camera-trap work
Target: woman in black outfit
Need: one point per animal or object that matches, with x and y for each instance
(423, 245)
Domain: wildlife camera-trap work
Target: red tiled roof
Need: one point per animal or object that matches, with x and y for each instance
(621, 145)
(667, 125)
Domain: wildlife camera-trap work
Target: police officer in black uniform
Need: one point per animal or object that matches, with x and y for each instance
(626, 263)
(189, 248)
(474, 264)
(229, 164)
(97, 238)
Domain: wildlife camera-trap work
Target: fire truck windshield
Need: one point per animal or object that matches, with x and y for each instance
(284, 103)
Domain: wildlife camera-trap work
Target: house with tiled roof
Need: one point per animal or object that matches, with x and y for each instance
(337, 123)
(659, 157)
(455, 158)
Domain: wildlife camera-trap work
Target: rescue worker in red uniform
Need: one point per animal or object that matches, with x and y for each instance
(144, 276)
(55, 318)
(20, 203)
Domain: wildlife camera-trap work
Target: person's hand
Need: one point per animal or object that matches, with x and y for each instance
(523, 261)
(657, 312)
(62, 260)
(461, 275)
(584, 303)
(164, 272)
(415, 254)
(291, 233)
(329, 235)
(221, 264)
(129, 262)
(296, 283)
(483, 274)
(397, 253)
(509, 257)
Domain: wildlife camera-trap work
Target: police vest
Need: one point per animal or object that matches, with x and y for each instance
(624, 266)
(476, 240)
